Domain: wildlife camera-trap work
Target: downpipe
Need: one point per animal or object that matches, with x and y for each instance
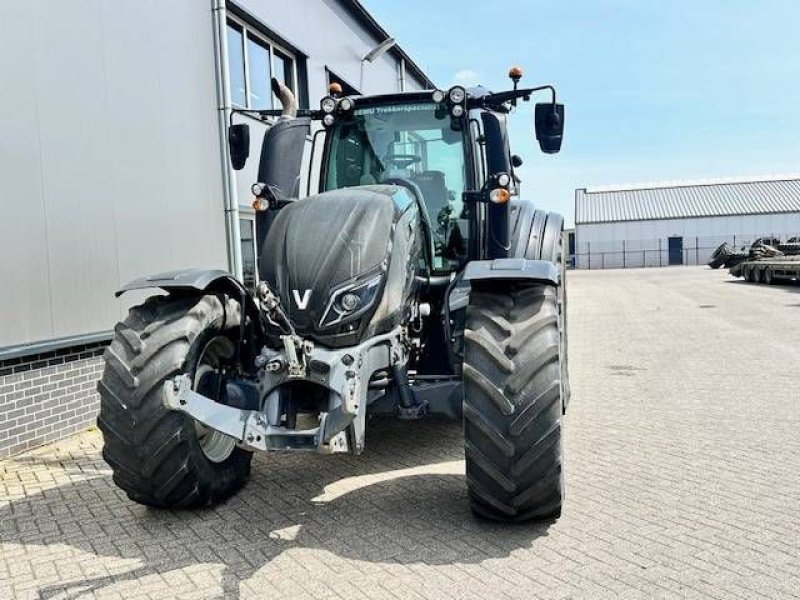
(219, 13)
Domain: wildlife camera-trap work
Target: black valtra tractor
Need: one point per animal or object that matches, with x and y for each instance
(409, 280)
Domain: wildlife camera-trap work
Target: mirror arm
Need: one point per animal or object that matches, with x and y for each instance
(496, 101)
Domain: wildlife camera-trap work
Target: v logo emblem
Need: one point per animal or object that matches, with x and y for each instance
(301, 301)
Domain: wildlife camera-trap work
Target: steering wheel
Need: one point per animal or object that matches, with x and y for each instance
(401, 161)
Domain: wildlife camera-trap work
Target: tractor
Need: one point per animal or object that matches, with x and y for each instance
(399, 273)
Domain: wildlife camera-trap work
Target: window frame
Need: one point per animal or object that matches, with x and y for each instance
(250, 217)
(271, 46)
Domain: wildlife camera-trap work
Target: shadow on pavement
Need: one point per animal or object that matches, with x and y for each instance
(785, 286)
(403, 501)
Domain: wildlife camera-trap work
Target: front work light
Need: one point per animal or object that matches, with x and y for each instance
(328, 104)
(345, 104)
(457, 111)
(327, 120)
(457, 94)
(437, 96)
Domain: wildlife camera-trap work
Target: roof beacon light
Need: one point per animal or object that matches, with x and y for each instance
(335, 88)
(515, 74)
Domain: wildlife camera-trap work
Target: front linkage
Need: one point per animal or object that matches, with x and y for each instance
(344, 373)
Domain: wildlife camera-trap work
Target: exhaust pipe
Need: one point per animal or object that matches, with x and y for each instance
(286, 98)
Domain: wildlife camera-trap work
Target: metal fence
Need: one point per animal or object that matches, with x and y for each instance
(690, 250)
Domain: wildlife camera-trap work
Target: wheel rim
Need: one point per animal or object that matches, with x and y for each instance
(216, 446)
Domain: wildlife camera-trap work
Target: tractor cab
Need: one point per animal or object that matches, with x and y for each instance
(412, 143)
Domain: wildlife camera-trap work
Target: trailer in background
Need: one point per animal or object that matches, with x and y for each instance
(777, 269)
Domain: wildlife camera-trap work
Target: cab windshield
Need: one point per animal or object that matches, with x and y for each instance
(412, 145)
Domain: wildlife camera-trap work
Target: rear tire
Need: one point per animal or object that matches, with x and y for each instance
(513, 402)
(161, 457)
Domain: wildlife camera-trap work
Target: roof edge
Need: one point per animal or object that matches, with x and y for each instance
(363, 16)
(688, 217)
(655, 185)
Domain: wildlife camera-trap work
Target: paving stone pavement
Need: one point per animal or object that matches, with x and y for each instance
(682, 469)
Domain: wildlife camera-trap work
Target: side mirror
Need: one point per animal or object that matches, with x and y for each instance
(549, 120)
(239, 144)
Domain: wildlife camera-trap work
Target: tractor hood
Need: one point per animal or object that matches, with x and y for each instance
(325, 247)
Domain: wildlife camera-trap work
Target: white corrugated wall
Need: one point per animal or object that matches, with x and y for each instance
(645, 243)
(109, 157)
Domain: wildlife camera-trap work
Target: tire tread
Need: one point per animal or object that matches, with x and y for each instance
(152, 451)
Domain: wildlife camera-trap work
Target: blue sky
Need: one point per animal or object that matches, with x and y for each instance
(654, 90)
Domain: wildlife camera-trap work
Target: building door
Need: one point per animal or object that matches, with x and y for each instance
(675, 250)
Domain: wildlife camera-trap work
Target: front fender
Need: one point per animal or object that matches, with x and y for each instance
(200, 280)
(187, 279)
(542, 271)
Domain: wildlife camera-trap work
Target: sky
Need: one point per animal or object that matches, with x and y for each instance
(654, 90)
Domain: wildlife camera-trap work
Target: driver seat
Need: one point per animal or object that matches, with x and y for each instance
(434, 190)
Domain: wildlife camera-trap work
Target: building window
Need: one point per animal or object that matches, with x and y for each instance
(347, 89)
(252, 62)
(236, 65)
(248, 244)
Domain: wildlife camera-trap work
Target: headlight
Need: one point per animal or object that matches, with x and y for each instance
(345, 104)
(351, 301)
(437, 96)
(327, 104)
(327, 120)
(457, 94)
(457, 111)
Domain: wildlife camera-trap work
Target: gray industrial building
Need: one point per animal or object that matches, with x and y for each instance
(655, 225)
(114, 165)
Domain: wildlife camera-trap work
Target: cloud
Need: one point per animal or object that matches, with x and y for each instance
(466, 77)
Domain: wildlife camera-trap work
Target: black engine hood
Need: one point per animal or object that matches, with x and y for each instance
(324, 241)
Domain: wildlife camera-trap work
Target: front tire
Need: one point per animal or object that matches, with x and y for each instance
(513, 386)
(161, 457)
